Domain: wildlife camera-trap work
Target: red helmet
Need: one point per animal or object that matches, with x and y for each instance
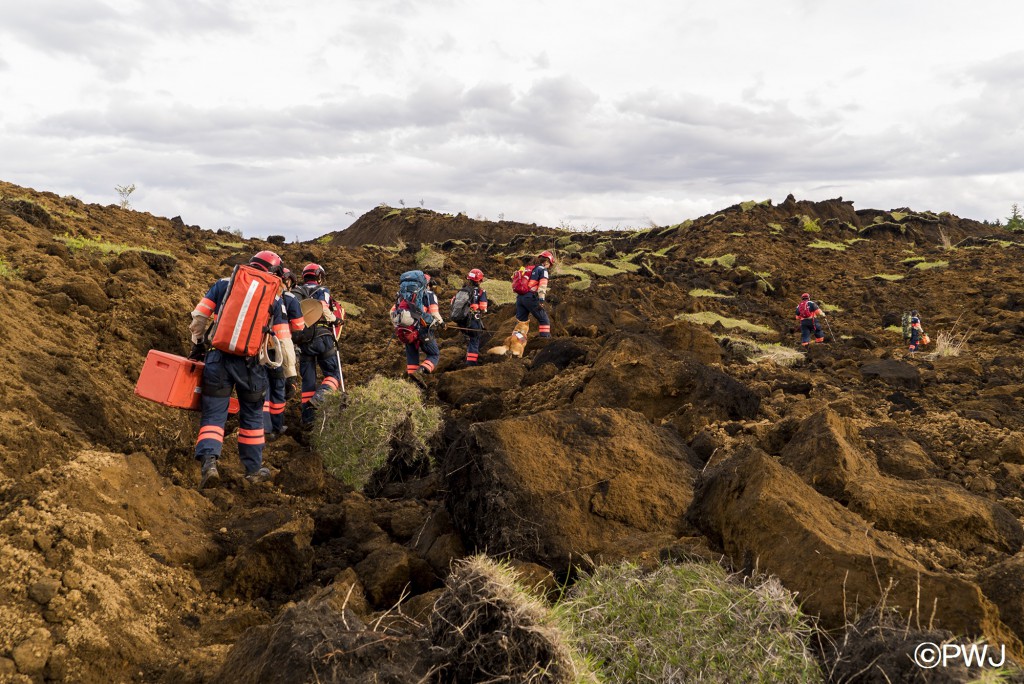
(267, 261)
(287, 275)
(805, 295)
(546, 255)
(476, 275)
(312, 272)
(426, 276)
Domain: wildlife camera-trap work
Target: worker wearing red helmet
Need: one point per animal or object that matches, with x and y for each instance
(222, 374)
(320, 348)
(807, 313)
(468, 306)
(533, 301)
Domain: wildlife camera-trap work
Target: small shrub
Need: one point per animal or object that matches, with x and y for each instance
(686, 623)
(710, 318)
(353, 431)
(7, 272)
(809, 224)
(276, 239)
(1015, 221)
(429, 259)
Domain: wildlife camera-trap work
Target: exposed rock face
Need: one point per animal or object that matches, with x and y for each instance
(829, 454)
(556, 485)
(765, 517)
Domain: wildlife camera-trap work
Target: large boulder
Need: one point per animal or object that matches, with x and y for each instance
(829, 454)
(557, 485)
(1003, 583)
(893, 372)
(277, 562)
(639, 373)
(766, 518)
(470, 385)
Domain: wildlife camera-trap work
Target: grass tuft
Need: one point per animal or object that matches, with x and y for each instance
(687, 623)
(429, 259)
(698, 292)
(353, 432)
(825, 244)
(710, 318)
(725, 261)
(351, 309)
(95, 244)
(925, 265)
(7, 272)
(891, 277)
(810, 225)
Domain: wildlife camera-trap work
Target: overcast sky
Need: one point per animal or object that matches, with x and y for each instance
(294, 118)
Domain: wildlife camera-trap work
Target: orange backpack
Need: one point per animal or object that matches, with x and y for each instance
(246, 311)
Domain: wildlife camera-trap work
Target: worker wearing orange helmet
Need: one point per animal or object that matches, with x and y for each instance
(532, 302)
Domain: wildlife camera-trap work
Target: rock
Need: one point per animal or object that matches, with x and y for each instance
(345, 592)
(765, 517)
(593, 316)
(31, 654)
(385, 573)
(406, 520)
(60, 302)
(898, 455)
(1011, 449)
(83, 290)
(8, 668)
(474, 384)
(302, 472)
(1003, 583)
(563, 351)
(44, 590)
(553, 486)
(278, 562)
(893, 372)
(829, 454)
(692, 339)
(443, 552)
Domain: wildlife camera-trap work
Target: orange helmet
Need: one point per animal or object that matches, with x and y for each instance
(476, 275)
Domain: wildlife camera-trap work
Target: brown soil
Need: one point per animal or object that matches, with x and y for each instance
(630, 433)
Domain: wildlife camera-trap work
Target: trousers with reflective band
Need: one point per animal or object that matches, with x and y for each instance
(321, 352)
(222, 374)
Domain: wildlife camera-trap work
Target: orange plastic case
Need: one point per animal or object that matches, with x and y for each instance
(171, 380)
(174, 381)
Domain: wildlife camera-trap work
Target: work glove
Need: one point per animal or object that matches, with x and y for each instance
(289, 388)
(198, 352)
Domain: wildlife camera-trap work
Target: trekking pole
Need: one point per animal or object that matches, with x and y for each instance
(337, 352)
(825, 318)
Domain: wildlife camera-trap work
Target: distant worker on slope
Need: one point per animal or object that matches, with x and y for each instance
(233, 363)
(468, 305)
(917, 336)
(530, 283)
(807, 313)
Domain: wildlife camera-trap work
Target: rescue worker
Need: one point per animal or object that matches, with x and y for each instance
(917, 334)
(533, 301)
(426, 341)
(322, 348)
(807, 313)
(223, 373)
(477, 307)
(287, 317)
(296, 324)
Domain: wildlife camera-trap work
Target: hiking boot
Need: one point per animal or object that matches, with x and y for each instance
(317, 398)
(261, 475)
(210, 475)
(420, 377)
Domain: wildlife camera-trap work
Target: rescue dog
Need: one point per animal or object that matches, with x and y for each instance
(515, 343)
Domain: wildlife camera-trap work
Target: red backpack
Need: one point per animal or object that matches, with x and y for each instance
(521, 281)
(804, 309)
(246, 311)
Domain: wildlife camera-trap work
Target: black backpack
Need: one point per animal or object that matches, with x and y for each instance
(301, 292)
(460, 305)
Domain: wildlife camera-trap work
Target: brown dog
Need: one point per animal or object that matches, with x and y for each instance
(515, 343)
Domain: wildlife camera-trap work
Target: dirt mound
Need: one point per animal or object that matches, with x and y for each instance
(389, 225)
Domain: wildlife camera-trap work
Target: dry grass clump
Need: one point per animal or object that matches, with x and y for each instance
(486, 628)
(950, 343)
(686, 623)
(353, 432)
(710, 318)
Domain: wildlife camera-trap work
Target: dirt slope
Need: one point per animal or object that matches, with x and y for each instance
(116, 569)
